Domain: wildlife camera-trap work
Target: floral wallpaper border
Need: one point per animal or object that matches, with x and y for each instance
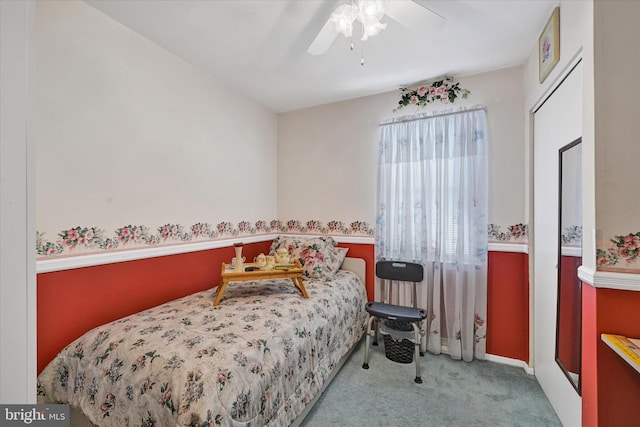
(622, 254)
(81, 239)
(516, 233)
(572, 235)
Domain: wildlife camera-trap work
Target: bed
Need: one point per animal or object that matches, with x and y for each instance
(262, 357)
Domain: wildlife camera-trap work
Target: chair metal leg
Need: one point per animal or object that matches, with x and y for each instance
(375, 332)
(416, 330)
(422, 338)
(365, 365)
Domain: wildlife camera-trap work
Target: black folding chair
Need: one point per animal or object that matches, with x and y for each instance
(393, 315)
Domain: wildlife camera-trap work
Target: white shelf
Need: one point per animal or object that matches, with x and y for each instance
(626, 349)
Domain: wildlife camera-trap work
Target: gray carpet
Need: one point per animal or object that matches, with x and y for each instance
(453, 393)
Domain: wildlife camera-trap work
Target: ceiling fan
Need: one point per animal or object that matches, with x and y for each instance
(369, 14)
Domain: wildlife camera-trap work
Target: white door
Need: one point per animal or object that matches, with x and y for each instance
(556, 123)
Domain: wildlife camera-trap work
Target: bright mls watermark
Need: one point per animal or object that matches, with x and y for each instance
(34, 415)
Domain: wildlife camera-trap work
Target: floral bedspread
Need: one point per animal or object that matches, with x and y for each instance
(256, 359)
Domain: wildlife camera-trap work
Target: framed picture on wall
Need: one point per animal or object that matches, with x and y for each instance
(549, 45)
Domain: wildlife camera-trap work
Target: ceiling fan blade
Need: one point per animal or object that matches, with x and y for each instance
(414, 16)
(324, 39)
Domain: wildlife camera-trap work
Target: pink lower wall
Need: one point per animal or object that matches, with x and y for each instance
(71, 302)
(508, 305)
(610, 386)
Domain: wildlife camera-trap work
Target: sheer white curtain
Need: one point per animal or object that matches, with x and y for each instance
(432, 209)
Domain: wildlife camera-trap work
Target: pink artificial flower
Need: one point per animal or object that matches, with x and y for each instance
(422, 90)
(440, 90)
(413, 100)
(432, 91)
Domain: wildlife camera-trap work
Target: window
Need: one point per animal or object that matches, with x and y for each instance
(432, 189)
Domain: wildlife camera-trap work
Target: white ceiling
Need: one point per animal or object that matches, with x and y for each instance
(259, 46)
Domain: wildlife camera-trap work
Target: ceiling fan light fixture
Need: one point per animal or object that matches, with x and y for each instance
(367, 12)
(343, 18)
(372, 30)
(370, 11)
(411, 14)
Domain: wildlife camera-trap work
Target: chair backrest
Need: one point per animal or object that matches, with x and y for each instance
(400, 270)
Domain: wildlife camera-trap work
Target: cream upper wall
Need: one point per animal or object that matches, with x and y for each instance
(575, 22)
(617, 126)
(327, 154)
(128, 133)
(327, 161)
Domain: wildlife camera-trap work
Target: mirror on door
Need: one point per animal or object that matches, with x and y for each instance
(569, 312)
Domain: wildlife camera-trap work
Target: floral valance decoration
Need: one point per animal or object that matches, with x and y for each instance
(445, 90)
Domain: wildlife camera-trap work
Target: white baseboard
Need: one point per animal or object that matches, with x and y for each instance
(509, 247)
(508, 361)
(502, 360)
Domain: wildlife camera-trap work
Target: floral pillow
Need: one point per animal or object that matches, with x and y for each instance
(319, 256)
